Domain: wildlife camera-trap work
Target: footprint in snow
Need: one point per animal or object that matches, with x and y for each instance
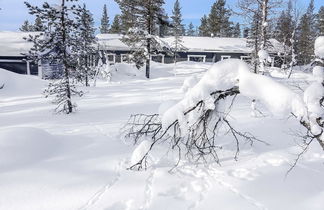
(243, 174)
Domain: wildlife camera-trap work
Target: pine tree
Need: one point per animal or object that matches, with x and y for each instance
(128, 14)
(164, 25)
(60, 40)
(86, 38)
(177, 26)
(285, 26)
(306, 35)
(203, 28)
(236, 31)
(26, 27)
(104, 27)
(191, 30)
(177, 29)
(38, 25)
(116, 25)
(246, 32)
(320, 21)
(218, 20)
(140, 37)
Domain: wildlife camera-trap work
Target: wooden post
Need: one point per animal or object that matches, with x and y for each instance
(28, 67)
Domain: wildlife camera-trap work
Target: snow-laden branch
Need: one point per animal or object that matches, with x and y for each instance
(193, 123)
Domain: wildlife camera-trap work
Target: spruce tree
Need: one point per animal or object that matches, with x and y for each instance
(218, 20)
(203, 28)
(26, 27)
(285, 25)
(140, 37)
(236, 31)
(104, 26)
(306, 35)
(58, 39)
(320, 21)
(177, 29)
(38, 25)
(191, 30)
(85, 48)
(116, 25)
(128, 14)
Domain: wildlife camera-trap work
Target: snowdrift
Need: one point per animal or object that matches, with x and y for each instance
(17, 84)
(23, 146)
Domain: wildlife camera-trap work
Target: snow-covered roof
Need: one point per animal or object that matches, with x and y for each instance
(111, 42)
(192, 43)
(13, 43)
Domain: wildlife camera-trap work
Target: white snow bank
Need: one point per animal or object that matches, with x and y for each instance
(18, 84)
(21, 146)
(319, 47)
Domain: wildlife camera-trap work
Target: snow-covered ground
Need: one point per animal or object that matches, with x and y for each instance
(79, 162)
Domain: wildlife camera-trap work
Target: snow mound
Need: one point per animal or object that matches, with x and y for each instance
(319, 47)
(23, 146)
(18, 84)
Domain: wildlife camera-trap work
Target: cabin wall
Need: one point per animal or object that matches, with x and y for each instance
(18, 65)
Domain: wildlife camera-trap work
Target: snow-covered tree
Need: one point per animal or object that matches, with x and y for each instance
(140, 37)
(195, 125)
(258, 14)
(104, 24)
(116, 25)
(191, 30)
(218, 20)
(86, 47)
(38, 25)
(203, 28)
(56, 45)
(26, 27)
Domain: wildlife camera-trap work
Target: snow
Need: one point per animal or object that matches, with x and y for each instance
(13, 43)
(79, 161)
(319, 47)
(192, 44)
(225, 75)
(264, 56)
(16, 84)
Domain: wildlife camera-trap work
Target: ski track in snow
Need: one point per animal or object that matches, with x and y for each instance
(148, 190)
(99, 194)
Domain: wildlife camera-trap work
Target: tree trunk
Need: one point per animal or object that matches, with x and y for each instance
(264, 23)
(65, 64)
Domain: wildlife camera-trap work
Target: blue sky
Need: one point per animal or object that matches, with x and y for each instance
(14, 12)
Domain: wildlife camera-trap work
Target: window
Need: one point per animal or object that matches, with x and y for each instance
(157, 58)
(111, 58)
(246, 58)
(197, 58)
(225, 57)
